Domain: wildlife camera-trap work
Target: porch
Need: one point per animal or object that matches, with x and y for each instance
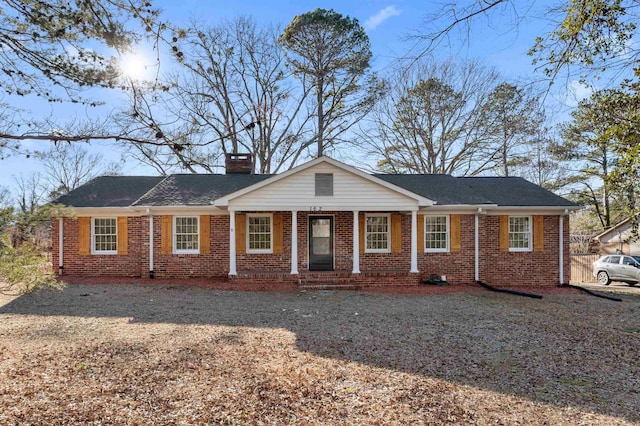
(326, 280)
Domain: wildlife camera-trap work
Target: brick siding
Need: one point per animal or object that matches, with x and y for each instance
(496, 267)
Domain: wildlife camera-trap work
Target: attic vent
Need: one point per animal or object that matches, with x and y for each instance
(324, 184)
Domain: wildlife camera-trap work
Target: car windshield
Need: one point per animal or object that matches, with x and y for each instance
(637, 258)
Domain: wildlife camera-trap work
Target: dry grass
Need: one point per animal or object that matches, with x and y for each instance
(134, 354)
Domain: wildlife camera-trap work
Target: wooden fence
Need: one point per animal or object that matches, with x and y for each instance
(582, 268)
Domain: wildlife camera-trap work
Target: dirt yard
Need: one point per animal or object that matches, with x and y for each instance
(162, 354)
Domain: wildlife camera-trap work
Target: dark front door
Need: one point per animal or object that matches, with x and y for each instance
(321, 243)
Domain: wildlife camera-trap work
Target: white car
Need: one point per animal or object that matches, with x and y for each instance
(617, 267)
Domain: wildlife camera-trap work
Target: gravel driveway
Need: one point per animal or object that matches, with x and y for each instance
(144, 354)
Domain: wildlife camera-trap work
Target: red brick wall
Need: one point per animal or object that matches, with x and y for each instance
(458, 267)
(109, 264)
(496, 267)
(261, 262)
(522, 268)
(216, 263)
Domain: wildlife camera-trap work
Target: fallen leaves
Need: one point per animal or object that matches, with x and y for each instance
(105, 355)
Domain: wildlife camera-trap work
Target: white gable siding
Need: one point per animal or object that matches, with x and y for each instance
(617, 235)
(297, 191)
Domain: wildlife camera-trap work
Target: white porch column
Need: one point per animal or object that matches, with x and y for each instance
(232, 243)
(561, 238)
(294, 242)
(356, 244)
(60, 245)
(150, 245)
(414, 242)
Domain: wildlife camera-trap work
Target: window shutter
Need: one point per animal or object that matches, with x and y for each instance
(123, 236)
(241, 233)
(538, 233)
(361, 232)
(166, 235)
(396, 233)
(454, 223)
(278, 234)
(205, 234)
(84, 236)
(420, 233)
(504, 233)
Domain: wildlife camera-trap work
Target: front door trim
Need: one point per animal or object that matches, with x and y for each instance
(333, 239)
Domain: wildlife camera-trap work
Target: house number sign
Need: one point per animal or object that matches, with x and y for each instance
(315, 208)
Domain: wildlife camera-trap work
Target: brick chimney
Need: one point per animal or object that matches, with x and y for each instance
(238, 164)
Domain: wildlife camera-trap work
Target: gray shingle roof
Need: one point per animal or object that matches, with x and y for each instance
(109, 191)
(196, 190)
(515, 191)
(200, 190)
(503, 191)
(444, 189)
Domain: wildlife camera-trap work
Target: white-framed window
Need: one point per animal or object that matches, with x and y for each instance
(104, 235)
(377, 233)
(520, 236)
(259, 233)
(186, 234)
(436, 233)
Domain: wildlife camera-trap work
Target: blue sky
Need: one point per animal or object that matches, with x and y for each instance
(388, 23)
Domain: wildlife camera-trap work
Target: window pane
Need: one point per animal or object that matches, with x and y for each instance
(377, 232)
(519, 232)
(105, 235)
(435, 228)
(260, 232)
(186, 233)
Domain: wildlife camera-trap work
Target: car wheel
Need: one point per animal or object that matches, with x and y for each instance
(603, 278)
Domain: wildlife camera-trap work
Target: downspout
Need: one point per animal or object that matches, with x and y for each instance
(476, 254)
(561, 239)
(151, 275)
(60, 245)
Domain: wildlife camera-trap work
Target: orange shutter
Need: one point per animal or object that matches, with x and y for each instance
(504, 233)
(396, 233)
(454, 222)
(361, 232)
(84, 236)
(241, 233)
(538, 233)
(205, 234)
(420, 232)
(166, 235)
(278, 234)
(123, 236)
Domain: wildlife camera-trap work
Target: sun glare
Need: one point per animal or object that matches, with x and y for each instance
(133, 66)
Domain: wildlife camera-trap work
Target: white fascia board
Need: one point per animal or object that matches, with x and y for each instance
(173, 210)
(467, 208)
(325, 208)
(548, 210)
(104, 211)
(224, 201)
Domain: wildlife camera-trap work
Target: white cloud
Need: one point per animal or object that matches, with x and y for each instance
(577, 91)
(377, 19)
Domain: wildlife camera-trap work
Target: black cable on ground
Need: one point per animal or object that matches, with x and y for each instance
(593, 293)
(503, 290)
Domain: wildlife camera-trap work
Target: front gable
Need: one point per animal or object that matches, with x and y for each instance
(296, 190)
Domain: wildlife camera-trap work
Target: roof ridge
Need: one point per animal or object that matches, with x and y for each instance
(150, 189)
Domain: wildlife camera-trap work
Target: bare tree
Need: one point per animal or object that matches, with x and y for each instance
(230, 93)
(431, 120)
(67, 166)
